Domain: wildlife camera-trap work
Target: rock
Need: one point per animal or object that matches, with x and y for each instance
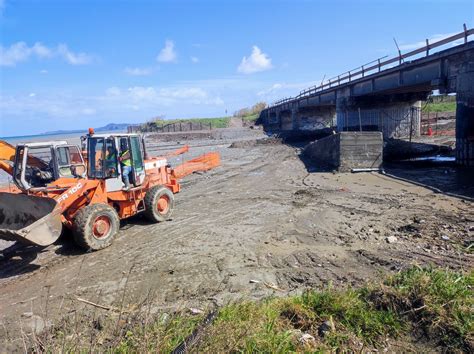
(164, 318)
(326, 327)
(36, 324)
(27, 314)
(195, 311)
(445, 238)
(307, 338)
(391, 239)
(253, 281)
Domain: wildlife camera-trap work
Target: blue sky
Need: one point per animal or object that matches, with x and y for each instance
(74, 64)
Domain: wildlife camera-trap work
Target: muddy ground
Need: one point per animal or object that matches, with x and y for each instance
(261, 224)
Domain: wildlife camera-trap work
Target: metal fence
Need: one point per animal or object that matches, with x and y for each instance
(393, 122)
(438, 123)
(171, 127)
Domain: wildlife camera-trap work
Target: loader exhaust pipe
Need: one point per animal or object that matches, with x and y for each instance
(29, 219)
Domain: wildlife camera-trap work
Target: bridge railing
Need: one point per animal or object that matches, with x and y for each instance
(370, 67)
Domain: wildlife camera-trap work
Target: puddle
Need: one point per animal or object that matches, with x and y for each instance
(437, 158)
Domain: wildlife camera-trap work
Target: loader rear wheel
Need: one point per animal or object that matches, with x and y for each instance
(95, 226)
(159, 204)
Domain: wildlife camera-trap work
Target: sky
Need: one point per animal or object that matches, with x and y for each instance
(75, 64)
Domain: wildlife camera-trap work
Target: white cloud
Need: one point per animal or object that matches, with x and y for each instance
(32, 94)
(138, 71)
(20, 52)
(197, 93)
(273, 89)
(113, 91)
(44, 71)
(170, 95)
(280, 90)
(88, 111)
(167, 54)
(41, 51)
(195, 59)
(257, 61)
(139, 93)
(434, 38)
(73, 58)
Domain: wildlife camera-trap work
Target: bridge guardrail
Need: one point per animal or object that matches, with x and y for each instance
(363, 70)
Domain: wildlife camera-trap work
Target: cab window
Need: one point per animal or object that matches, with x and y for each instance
(70, 162)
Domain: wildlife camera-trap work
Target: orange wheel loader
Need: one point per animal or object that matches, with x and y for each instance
(57, 188)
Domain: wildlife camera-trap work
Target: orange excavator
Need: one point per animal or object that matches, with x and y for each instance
(87, 191)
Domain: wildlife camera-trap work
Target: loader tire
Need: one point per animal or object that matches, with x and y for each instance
(159, 204)
(95, 226)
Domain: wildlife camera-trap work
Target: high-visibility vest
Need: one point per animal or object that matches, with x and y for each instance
(127, 162)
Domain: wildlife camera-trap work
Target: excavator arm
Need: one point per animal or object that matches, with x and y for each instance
(7, 157)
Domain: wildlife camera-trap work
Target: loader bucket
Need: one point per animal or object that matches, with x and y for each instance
(29, 219)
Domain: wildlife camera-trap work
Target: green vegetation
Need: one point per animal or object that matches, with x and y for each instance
(251, 113)
(436, 305)
(440, 107)
(251, 117)
(440, 104)
(247, 114)
(221, 122)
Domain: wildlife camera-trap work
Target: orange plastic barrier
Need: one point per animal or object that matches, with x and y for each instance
(202, 163)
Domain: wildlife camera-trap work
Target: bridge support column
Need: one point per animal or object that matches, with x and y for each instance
(395, 119)
(465, 115)
(316, 118)
(295, 119)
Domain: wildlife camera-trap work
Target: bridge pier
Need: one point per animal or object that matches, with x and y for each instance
(286, 122)
(295, 119)
(465, 115)
(313, 118)
(394, 118)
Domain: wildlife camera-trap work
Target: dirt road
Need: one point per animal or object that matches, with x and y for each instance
(258, 225)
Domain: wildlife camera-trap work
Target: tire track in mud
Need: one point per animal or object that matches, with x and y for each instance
(252, 218)
(49, 258)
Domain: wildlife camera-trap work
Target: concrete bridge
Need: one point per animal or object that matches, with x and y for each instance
(386, 96)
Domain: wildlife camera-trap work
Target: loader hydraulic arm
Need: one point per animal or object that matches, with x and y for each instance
(7, 158)
(7, 154)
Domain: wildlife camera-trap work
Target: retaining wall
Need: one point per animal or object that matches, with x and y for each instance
(347, 150)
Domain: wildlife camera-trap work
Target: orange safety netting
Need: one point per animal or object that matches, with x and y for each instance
(202, 163)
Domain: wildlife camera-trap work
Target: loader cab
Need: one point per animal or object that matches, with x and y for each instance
(103, 153)
(38, 164)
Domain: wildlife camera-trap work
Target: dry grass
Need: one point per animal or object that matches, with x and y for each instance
(433, 305)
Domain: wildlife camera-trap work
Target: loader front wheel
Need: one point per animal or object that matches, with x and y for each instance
(95, 226)
(159, 204)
